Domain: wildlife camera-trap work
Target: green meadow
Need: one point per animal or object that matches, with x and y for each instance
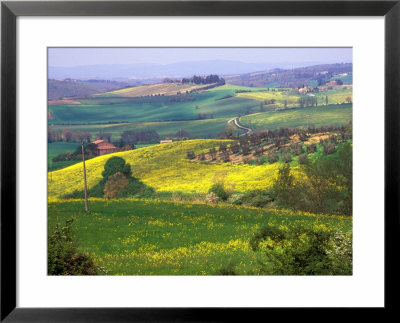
(139, 237)
(337, 115)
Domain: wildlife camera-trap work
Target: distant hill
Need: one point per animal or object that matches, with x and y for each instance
(69, 88)
(296, 77)
(156, 72)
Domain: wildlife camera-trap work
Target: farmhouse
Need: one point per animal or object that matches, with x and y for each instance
(165, 141)
(331, 83)
(103, 147)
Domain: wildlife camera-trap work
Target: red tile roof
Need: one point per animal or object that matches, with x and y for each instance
(105, 145)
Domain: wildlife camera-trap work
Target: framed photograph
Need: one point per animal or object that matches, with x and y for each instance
(179, 160)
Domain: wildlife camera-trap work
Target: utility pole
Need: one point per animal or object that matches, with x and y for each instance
(84, 177)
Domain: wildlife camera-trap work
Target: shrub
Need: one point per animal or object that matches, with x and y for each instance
(235, 148)
(308, 251)
(236, 198)
(211, 198)
(222, 147)
(286, 157)
(259, 160)
(311, 148)
(258, 198)
(219, 190)
(63, 257)
(114, 185)
(303, 159)
(298, 149)
(190, 155)
(245, 149)
(228, 270)
(329, 148)
(273, 157)
(115, 165)
(225, 157)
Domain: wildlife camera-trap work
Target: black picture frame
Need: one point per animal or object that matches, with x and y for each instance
(11, 10)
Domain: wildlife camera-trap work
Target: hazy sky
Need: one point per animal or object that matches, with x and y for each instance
(94, 56)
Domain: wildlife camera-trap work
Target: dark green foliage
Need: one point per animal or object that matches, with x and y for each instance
(326, 186)
(114, 165)
(307, 251)
(284, 189)
(258, 198)
(190, 155)
(303, 159)
(228, 270)
(219, 190)
(63, 256)
(311, 148)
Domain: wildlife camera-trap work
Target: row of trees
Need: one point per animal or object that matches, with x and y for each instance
(134, 137)
(212, 78)
(68, 135)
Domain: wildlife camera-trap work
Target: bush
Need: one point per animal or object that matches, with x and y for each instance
(114, 185)
(258, 198)
(286, 157)
(235, 148)
(236, 199)
(303, 159)
(298, 149)
(211, 198)
(273, 157)
(311, 148)
(115, 165)
(329, 148)
(190, 155)
(63, 257)
(219, 190)
(308, 251)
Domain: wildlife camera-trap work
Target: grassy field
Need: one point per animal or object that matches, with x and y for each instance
(131, 237)
(56, 148)
(165, 168)
(155, 89)
(218, 102)
(209, 128)
(299, 118)
(335, 96)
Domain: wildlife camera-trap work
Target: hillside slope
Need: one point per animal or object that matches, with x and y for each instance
(165, 168)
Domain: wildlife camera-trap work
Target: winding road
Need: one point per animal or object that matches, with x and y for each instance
(237, 125)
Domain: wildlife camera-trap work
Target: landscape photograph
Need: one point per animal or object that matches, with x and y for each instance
(200, 161)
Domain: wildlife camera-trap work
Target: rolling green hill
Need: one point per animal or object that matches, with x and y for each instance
(300, 118)
(219, 103)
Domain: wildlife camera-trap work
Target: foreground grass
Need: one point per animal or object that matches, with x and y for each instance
(132, 237)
